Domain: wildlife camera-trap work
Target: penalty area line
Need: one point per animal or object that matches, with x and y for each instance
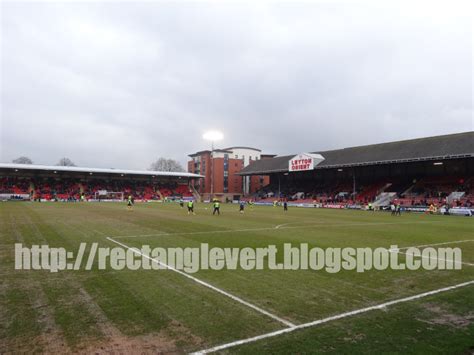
(325, 224)
(332, 318)
(208, 285)
(435, 244)
(277, 227)
(434, 258)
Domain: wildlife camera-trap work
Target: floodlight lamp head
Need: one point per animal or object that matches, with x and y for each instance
(213, 136)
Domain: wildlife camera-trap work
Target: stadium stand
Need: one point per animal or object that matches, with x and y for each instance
(418, 172)
(437, 194)
(70, 183)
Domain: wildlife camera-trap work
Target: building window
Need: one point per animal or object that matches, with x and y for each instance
(226, 184)
(226, 162)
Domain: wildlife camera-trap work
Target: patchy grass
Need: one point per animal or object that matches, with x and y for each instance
(149, 311)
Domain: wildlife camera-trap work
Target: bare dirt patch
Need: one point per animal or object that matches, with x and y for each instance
(165, 342)
(444, 317)
(168, 341)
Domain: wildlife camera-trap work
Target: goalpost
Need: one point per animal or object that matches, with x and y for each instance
(104, 195)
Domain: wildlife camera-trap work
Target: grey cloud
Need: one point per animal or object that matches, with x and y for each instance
(119, 84)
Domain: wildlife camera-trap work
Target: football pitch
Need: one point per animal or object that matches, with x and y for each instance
(232, 311)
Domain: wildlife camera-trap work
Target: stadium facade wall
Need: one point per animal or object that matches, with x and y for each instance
(221, 168)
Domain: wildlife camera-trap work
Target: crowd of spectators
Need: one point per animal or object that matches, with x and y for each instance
(67, 189)
(422, 192)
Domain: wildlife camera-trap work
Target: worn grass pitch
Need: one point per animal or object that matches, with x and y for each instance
(149, 311)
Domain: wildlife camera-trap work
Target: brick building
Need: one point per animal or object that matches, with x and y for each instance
(220, 167)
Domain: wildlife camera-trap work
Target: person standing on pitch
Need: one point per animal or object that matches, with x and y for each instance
(129, 202)
(398, 210)
(217, 207)
(251, 204)
(392, 208)
(242, 206)
(191, 207)
(285, 205)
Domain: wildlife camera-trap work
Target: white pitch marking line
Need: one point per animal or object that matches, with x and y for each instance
(435, 244)
(329, 319)
(203, 283)
(443, 243)
(285, 225)
(434, 258)
(270, 228)
(193, 233)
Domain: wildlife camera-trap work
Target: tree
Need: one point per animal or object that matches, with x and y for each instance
(65, 162)
(22, 160)
(163, 164)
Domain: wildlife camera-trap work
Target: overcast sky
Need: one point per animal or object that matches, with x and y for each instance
(119, 84)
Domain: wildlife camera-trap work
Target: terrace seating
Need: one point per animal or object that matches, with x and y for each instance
(183, 190)
(14, 186)
(71, 189)
(423, 192)
(370, 192)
